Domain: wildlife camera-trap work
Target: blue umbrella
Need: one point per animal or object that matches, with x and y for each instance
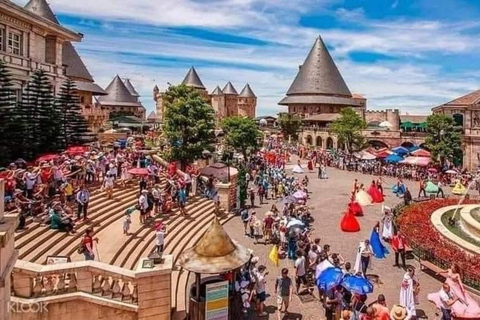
(329, 278)
(357, 284)
(393, 158)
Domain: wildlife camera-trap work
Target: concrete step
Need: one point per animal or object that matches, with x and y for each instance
(92, 208)
(135, 241)
(50, 238)
(176, 230)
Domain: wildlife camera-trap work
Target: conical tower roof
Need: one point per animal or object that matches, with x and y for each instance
(229, 89)
(193, 80)
(217, 91)
(319, 74)
(131, 88)
(75, 66)
(247, 92)
(42, 9)
(319, 82)
(118, 93)
(152, 116)
(214, 253)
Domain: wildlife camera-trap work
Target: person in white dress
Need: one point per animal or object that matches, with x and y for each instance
(387, 221)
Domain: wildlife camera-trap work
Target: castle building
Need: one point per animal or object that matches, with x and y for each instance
(226, 102)
(122, 100)
(319, 93)
(465, 110)
(32, 38)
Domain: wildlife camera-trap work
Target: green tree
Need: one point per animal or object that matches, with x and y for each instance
(38, 117)
(9, 141)
(241, 134)
(443, 138)
(348, 129)
(73, 127)
(189, 123)
(242, 183)
(290, 124)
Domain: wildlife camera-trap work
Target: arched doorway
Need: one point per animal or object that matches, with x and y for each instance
(319, 142)
(458, 118)
(407, 144)
(424, 146)
(329, 143)
(308, 140)
(377, 144)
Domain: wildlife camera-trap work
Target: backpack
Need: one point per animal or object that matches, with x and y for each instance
(244, 215)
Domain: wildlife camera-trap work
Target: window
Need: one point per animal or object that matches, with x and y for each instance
(15, 42)
(2, 38)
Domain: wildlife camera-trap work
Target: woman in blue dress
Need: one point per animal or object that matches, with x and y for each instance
(379, 250)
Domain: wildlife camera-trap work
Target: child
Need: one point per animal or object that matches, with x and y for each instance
(127, 221)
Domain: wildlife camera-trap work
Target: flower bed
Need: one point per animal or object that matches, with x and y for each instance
(429, 244)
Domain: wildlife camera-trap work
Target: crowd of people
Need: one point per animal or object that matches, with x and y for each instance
(288, 229)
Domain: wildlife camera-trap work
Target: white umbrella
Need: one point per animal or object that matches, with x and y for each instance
(385, 124)
(300, 194)
(295, 222)
(451, 172)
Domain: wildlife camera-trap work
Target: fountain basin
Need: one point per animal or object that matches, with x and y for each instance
(469, 223)
(436, 220)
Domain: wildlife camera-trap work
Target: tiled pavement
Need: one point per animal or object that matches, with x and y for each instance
(329, 198)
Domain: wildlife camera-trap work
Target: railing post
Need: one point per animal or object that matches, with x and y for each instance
(84, 281)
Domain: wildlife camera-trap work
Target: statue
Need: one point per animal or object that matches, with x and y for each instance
(476, 119)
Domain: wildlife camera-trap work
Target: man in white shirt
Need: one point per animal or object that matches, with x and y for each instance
(312, 257)
(447, 301)
(261, 293)
(300, 273)
(83, 197)
(160, 232)
(143, 205)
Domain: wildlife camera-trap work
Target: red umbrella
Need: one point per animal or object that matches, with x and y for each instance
(421, 153)
(47, 157)
(76, 149)
(432, 170)
(138, 171)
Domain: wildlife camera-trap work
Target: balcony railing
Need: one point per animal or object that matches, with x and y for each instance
(26, 63)
(30, 280)
(315, 128)
(93, 110)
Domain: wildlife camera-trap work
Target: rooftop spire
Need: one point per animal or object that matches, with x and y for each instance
(131, 88)
(42, 9)
(117, 92)
(229, 89)
(319, 75)
(217, 91)
(247, 92)
(193, 80)
(75, 66)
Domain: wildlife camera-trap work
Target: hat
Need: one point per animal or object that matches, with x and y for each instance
(158, 226)
(144, 191)
(398, 312)
(255, 259)
(129, 211)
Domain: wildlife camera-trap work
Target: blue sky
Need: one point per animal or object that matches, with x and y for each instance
(406, 54)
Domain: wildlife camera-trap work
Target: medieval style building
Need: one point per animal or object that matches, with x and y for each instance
(319, 93)
(122, 100)
(226, 102)
(465, 110)
(32, 38)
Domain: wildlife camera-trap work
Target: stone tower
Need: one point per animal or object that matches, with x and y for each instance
(393, 116)
(231, 100)
(193, 80)
(218, 103)
(247, 102)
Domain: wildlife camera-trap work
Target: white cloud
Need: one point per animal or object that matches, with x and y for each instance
(139, 45)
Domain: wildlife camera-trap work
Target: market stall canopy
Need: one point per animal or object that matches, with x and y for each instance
(393, 158)
(383, 154)
(364, 155)
(214, 253)
(418, 161)
(406, 125)
(400, 150)
(421, 153)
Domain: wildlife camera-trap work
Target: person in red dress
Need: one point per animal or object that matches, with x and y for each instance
(355, 206)
(373, 191)
(349, 223)
(310, 165)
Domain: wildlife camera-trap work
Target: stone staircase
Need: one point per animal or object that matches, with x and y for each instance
(38, 241)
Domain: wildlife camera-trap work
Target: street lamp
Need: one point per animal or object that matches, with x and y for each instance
(227, 158)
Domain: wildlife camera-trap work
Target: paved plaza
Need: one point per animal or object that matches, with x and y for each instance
(329, 199)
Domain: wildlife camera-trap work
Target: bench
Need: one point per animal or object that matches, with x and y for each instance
(427, 265)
